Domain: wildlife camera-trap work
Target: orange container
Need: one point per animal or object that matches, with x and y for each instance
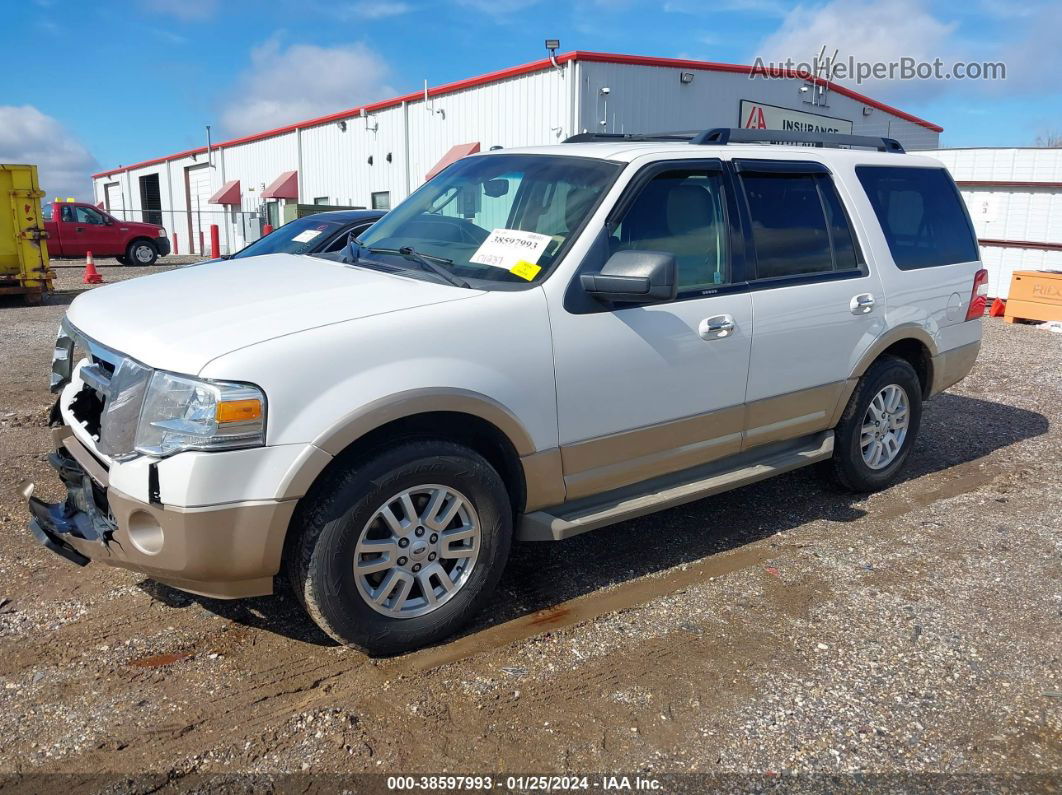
(1034, 295)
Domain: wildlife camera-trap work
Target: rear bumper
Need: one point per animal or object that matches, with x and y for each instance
(227, 551)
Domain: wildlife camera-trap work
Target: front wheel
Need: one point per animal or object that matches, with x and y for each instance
(122, 259)
(878, 427)
(142, 252)
(401, 551)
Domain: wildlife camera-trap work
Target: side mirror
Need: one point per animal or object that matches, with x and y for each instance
(639, 277)
(496, 188)
(107, 221)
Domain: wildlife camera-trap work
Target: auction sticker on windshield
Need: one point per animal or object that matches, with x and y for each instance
(507, 248)
(307, 236)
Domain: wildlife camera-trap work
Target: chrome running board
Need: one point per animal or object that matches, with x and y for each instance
(565, 521)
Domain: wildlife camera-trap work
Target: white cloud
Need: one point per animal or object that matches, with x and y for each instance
(1034, 59)
(300, 81)
(374, 9)
(186, 10)
(64, 166)
(868, 31)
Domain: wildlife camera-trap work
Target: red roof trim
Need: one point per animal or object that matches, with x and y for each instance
(517, 71)
(229, 194)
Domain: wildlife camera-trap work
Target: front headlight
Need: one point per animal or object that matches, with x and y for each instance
(183, 413)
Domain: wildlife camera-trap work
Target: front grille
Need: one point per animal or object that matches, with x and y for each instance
(112, 393)
(87, 408)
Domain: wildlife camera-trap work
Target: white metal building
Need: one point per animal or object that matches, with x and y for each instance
(1015, 200)
(375, 155)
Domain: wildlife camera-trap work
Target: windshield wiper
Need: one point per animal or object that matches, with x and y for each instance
(425, 262)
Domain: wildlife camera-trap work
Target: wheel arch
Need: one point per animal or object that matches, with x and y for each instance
(533, 478)
(909, 342)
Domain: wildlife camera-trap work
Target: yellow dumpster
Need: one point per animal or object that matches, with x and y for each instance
(23, 251)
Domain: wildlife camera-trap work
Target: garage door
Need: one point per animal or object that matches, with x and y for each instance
(199, 208)
(112, 200)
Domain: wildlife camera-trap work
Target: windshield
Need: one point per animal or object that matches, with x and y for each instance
(497, 218)
(300, 236)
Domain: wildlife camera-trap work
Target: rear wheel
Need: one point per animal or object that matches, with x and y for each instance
(142, 252)
(404, 549)
(878, 427)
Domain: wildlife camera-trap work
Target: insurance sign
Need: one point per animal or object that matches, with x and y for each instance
(758, 116)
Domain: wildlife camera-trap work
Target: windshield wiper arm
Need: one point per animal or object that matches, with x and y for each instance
(425, 262)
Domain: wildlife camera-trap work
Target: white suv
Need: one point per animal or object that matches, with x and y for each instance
(536, 343)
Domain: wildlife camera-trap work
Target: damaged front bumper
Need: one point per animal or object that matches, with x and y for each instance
(227, 551)
(75, 517)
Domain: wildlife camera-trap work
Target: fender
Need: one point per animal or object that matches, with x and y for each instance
(904, 331)
(542, 469)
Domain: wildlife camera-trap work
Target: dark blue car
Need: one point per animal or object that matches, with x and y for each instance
(313, 234)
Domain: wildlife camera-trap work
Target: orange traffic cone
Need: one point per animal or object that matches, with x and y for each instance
(91, 275)
(999, 308)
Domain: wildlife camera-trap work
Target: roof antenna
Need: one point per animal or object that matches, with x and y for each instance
(429, 104)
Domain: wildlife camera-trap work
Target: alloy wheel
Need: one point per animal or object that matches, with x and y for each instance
(417, 551)
(885, 426)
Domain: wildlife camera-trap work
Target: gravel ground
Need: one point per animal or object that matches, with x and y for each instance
(783, 628)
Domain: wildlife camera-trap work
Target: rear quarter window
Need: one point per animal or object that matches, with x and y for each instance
(921, 215)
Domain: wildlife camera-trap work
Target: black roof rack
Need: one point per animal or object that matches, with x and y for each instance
(721, 136)
(729, 135)
(589, 137)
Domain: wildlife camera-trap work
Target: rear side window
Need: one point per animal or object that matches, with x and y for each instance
(799, 226)
(921, 215)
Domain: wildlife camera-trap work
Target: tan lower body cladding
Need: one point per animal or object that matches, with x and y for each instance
(225, 551)
(610, 462)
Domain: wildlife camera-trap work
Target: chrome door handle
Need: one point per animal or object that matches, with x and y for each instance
(716, 327)
(861, 304)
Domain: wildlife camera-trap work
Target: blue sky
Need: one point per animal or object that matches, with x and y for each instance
(117, 81)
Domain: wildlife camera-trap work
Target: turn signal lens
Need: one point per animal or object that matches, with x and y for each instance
(239, 411)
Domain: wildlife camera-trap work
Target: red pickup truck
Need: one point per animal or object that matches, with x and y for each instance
(74, 228)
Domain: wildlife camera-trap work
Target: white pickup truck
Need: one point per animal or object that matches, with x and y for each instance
(536, 343)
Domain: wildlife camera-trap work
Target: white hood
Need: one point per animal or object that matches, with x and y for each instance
(184, 318)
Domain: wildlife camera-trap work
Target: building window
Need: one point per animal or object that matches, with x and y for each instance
(320, 200)
(381, 200)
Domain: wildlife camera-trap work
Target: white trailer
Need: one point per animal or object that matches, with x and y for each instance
(1015, 201)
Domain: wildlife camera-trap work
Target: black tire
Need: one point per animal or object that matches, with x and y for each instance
(141, 253)
(122, 259)
(320, 558)
(848, 469)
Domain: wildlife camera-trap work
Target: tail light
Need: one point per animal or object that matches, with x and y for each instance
(978, 296)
